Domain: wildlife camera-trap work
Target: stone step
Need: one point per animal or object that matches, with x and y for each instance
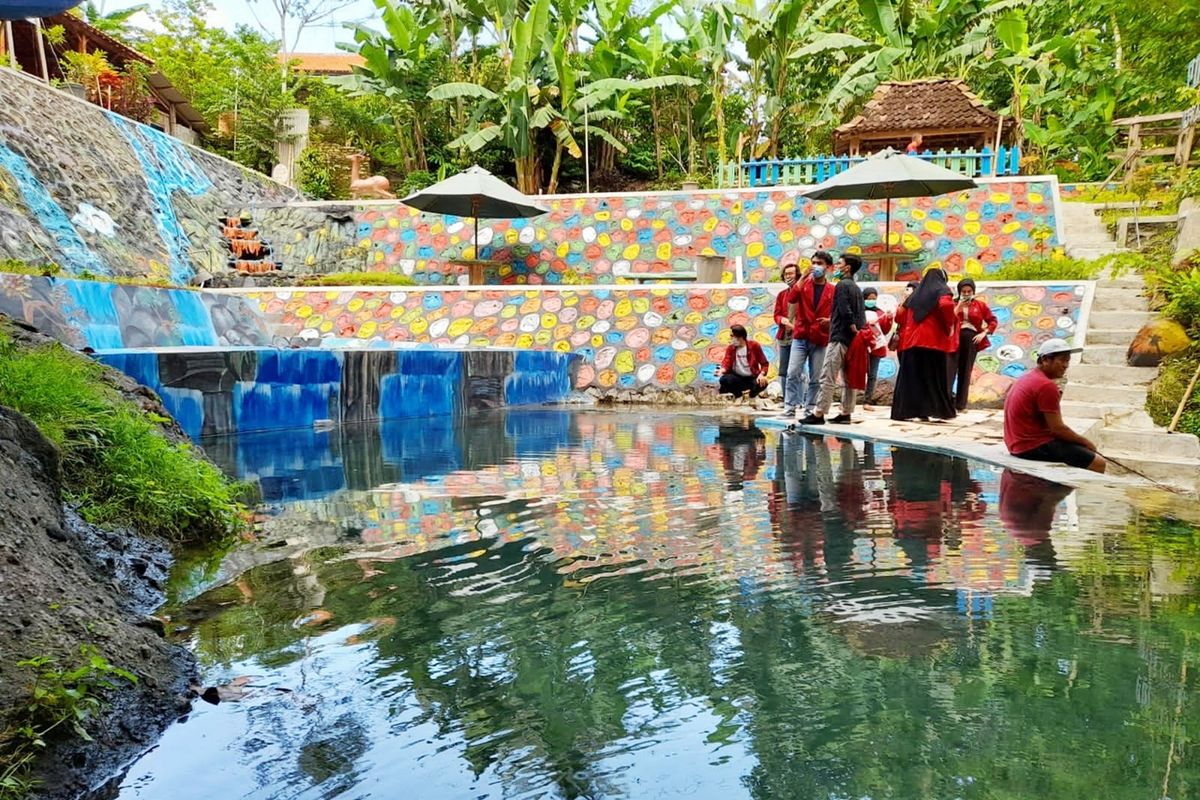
(1109, 354)
(1092, 253)
(1127, 396)
(1107, 375)
(1131, 321)
(1183, 473)
(1109, 299)
(1104, 336)
(1151, 444)
(1123, 416)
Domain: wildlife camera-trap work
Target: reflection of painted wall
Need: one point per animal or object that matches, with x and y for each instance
(213, 391)
(93, 191)
(589, 239)
(633, 338)
(104, 315)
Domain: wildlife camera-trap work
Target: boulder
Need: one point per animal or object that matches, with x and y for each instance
(1156, 339)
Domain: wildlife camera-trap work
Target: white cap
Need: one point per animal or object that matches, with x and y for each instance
(1052, 347)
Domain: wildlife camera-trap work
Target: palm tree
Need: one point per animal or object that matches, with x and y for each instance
(113, 23)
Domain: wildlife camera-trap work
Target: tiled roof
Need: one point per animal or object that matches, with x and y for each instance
(926, 106)
(325, 63)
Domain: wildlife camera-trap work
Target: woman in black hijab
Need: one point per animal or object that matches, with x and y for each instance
(928, 334)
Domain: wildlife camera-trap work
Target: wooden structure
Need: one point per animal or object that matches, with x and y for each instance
(323, 65)
(29, 50)
(1151, 139)
(943, 110)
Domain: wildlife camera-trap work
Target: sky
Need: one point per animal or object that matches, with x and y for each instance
(230, 13)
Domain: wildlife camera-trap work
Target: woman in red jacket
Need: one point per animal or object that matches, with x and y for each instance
(975, 323)
(927, 337)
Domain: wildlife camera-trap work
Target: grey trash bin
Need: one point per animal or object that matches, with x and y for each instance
(708, 268)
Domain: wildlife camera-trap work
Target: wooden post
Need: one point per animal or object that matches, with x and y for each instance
(9, 44)
(37, 25)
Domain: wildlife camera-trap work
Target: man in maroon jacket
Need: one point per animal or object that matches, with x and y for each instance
(744, 368)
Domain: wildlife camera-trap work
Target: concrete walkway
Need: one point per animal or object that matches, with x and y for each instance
(1084, 233)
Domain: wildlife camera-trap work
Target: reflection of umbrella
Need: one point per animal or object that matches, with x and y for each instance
(24, 9)
(474, 193)
(889, 174)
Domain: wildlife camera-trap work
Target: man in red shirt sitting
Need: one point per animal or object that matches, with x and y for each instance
(744, 368)
(1033, 423)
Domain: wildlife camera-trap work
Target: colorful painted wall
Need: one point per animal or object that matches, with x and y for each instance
(90, 190)
(239, 390)
(639, 338)
(597, 238)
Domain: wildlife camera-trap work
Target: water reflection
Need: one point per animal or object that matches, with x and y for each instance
(577, 604)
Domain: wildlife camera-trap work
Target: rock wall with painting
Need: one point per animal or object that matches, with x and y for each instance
(92, 191)
(598, 238)
(241, 390)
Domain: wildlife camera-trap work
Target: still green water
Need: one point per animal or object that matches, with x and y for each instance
(590, 605)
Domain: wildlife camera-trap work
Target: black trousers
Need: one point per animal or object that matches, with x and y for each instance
(961, 362)
(734, 384)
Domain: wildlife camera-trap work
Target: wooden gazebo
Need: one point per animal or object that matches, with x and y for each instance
(943, 110)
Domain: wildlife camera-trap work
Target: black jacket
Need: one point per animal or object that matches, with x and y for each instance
(848, 309)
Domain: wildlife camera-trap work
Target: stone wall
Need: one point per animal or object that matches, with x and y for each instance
(93, 191)
(240, 390)
(596, 238)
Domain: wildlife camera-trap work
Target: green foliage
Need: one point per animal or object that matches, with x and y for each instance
(117, 465)
(12, 265)
(59, 700)
(1180, 291)
(358, 279)
(1165, 393)
(313, 175)
(1048, 269)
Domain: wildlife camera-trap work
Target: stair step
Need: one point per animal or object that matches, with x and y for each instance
(1131, 397)
(1131, 321)
(1117, 300)
(1151, 444)
(1106, 336)
(1107, 375)
(1108, 354)
(1125, 417)
(1181, 472)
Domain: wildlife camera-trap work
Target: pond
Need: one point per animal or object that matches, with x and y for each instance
(580, 604)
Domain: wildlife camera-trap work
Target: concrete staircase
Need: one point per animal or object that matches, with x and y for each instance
(1084, 233)
(1105, 399)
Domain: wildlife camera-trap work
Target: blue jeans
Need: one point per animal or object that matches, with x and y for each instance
(800, 391)
(785, 355)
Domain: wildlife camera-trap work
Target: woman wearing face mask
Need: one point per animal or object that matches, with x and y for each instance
(927, 324)
(879, 322)
(975, 323)
(783, 323)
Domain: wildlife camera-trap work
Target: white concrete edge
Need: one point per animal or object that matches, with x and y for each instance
(798, 189)
(1056, 193)
(618, 287)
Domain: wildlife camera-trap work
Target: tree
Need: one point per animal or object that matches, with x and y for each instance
(293, 16)
(114, 23)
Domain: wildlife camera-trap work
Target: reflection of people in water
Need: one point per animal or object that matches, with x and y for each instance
(1027, 508)
(802, 468)
(743, 451)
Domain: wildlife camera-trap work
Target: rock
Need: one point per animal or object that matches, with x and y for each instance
(1156, 339)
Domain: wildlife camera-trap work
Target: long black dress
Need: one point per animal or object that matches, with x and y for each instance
(922, 387)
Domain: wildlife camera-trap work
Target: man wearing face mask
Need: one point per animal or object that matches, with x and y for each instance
(783, 332)
(847, 318)
(810, 335)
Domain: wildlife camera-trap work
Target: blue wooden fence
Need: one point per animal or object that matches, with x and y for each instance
(804, 171)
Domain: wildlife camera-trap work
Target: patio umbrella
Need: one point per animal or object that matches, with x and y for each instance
(24, 9)
(889, 174)
(474, 193)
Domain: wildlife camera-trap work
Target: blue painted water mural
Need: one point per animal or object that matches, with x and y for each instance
(101, 325)
(187, 407)
(299, 366)
(539, 376)
(169, 170)
(195, 323)
(270, 406)
(426, 383)
(51, 215)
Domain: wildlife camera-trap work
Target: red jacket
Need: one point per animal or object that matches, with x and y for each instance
(754, 354)
(807, 325)
(936, 332)
(982, 319)
(781, 313)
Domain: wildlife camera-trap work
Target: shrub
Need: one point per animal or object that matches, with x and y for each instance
(359, 279)
(314, 176)
(117, 465)
(1180, 290)
(1168, 388)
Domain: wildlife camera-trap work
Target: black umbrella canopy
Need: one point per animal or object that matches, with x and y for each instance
(474, 193)
(24, 9)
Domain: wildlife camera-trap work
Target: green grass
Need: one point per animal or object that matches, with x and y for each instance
(117, 466)
(1048, 269)
(1167, 390)
(358, 279)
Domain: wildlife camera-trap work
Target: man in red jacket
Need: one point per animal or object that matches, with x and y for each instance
(812, 305)
(744, 368)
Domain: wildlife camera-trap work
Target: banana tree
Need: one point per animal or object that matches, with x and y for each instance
(524, 105)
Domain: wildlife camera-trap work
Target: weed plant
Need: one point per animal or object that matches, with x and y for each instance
(359, 279)
(117, 465)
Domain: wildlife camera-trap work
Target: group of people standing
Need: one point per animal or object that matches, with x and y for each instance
(832, 337)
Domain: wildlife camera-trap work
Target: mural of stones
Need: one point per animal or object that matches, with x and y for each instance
(596, 238)
(93, 191)
(637, 338)
(241, 390)
(104, 315)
